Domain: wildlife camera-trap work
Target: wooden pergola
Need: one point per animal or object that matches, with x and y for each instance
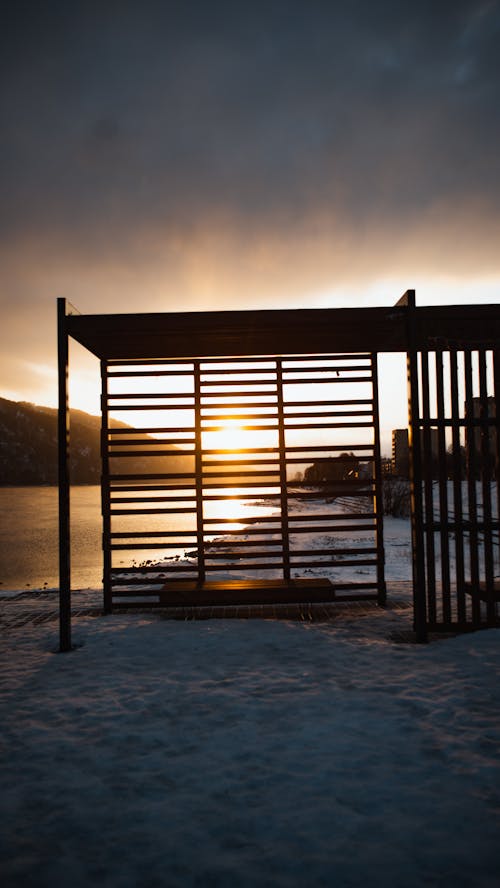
(255, 366)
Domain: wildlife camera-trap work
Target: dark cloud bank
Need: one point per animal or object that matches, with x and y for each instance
(120, 115)
(184, 155)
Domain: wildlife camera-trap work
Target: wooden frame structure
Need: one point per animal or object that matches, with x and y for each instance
(454, 386)
(254, 366)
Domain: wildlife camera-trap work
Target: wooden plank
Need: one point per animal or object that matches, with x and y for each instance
(200, 563)
(106, 501)
(147, 442)
(415, 455)
(486, 479)
(457, 326)
(233, 592)
(471, 485)
(241, 333)
(257, 583)
(456, 526)
(138, 545)
(443, 491)
(63, 432)
(148, 396)
(270, 332)
(377, 493)
(283, 474)
(427, 458)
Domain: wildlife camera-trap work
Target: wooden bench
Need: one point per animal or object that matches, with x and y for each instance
(227, 592)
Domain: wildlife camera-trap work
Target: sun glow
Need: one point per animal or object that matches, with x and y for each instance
(231, 509)
(230, 434)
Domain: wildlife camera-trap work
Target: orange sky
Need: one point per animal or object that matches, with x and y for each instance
(233, 156)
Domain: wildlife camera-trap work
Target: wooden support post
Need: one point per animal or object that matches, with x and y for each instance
(105, 494)
(64, 481)
(486, 437)
(415, 447)
(377, 478)
(198, 453)
(473, 469)
(285, 537)
(444, 544)
(458, 493)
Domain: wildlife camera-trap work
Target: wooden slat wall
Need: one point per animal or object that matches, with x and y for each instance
(455, 417)
(293, 411)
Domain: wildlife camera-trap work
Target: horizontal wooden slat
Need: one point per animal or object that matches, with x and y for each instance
(315, 402)
(330, 448)
(311, 376)
(111, 374)
(128, 430)
(118, 454)
(239, 458)
(138, 546)
(234, 474)
(149, 488)
(176, 497)
(328, 528)
(255, 387)
(148, 442)
(156, 407)
(325, 413)
(184, 537)
(173, 511)
(143, 396)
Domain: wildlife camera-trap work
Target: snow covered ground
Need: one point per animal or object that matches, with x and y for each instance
(249, 752)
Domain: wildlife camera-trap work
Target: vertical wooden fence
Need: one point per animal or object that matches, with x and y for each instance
(455, 458)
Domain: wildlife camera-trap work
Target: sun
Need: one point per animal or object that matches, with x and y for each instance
(229, 434)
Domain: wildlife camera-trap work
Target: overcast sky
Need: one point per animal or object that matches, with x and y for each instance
(196, 155)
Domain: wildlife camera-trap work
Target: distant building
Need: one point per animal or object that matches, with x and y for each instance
(386, 465)
(400, 452)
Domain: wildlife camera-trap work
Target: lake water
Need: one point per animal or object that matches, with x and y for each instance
(29, 542)
(29, 553)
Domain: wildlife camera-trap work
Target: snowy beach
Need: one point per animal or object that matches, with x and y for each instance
(248, 752)
(251, 752)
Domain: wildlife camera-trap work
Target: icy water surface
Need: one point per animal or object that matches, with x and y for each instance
(29, 536)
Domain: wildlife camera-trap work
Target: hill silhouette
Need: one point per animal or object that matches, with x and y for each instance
(28, 447)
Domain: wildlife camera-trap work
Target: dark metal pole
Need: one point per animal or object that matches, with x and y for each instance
(64, 481)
